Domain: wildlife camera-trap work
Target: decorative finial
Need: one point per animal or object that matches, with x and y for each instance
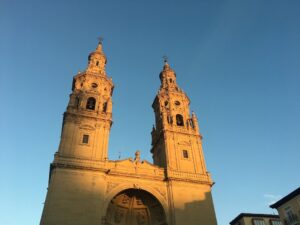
(137, 156)
(165, 58)
(99, 47)
(166, 64)
(100, 39)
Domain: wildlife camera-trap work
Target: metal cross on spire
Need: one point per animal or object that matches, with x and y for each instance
(100, 39)
(165, 58)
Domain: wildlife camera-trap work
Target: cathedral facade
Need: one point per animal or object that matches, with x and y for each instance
(86, 188)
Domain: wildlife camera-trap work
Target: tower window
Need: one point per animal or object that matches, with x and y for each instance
(179, 120)
(177, 103)
(171, 80)
(97, 63)
(185, 154)
(85, 139)
(91, 103)
(167, 104)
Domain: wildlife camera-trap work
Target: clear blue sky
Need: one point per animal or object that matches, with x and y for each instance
(238, 61)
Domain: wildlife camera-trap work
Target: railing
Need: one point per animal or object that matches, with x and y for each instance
(291, 220)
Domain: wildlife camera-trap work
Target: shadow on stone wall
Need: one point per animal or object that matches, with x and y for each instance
(197, 212)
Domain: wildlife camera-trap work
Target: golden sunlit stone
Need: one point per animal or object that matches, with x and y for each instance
(85, 188)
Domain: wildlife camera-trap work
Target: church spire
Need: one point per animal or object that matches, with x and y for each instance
(88, 117)
(97, 61)
(176, 141)
(168, 77)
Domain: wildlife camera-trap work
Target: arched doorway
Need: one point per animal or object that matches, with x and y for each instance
(135, 207)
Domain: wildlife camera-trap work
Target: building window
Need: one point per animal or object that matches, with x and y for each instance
(97, 63)
(288, 212)
(258, 222)
(290, 218)
(179, 120)
(85, 139)
(91, 103)
(275, 222)
(185, 154)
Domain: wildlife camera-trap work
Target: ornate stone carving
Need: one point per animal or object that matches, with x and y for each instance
(136, 186)
(142, 209)
(141, 217)
(137, 158)
(119, 215)
(87, 127)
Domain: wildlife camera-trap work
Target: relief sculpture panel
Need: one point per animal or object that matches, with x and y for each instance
(135, 207)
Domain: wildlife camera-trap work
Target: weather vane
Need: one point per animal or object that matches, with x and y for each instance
(165, 58)
(100, 39)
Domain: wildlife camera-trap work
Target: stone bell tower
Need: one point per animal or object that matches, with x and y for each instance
(85, 187)
(88, 118)
(177, 147)
(176, 141)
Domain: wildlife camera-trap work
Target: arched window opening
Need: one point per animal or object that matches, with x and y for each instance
(179, 120)
(170, 80)
(91, 103)
(104, 107)
(167, 104)
(97, 63)
(135, 206)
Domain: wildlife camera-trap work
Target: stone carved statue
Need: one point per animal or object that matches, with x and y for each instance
(141, 218)
(119, 214)
(137, 156)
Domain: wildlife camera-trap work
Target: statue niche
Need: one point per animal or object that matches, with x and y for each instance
(135, 207)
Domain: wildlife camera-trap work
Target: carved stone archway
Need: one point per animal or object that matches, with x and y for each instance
(135, 207)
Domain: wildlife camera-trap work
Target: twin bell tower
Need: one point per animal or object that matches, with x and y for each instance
(86, 188)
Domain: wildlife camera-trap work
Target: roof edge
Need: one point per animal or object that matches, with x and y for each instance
(252, 215)
(286, 198)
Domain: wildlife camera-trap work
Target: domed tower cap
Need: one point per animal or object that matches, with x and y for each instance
(166, 68)
(97, 60)
(98, 51)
